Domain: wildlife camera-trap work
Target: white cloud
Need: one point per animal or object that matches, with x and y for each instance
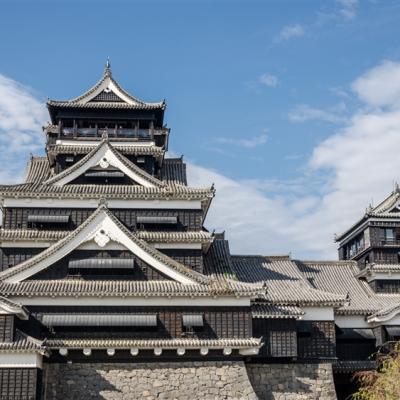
(289, 32)
(21, 119)
(380, 86)
(269, 80)
(356, 164)
(304, 113)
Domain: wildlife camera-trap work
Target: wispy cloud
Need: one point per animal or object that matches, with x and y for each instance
(289, 32)
(269, 80)
(347, 8)
(21, 119)
(343, 11)
(248, 143)
(305, 113)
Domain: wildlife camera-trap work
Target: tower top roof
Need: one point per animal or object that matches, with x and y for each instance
(106, 93)
(388, 208)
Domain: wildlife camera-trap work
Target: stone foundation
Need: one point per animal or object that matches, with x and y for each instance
(292, 381)
(181, 381)
(189, 380)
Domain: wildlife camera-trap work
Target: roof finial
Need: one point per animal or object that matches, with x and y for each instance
(396, 187)
(107, 70)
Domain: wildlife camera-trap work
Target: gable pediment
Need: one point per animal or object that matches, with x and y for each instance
(105, 159)
(107, 95)
(102, 228)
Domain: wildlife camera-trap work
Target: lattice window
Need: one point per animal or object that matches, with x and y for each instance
(108, 96)
(18, 383)
(6, 328)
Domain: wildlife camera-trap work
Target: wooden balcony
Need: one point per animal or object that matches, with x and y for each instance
(142, 134)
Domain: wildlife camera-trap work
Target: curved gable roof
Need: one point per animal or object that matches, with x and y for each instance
(105, 152)
(102, 225)
(93, 98)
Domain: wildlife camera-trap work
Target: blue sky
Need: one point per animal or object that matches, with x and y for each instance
(258, 92)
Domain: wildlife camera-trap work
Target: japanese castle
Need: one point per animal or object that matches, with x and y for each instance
(109, 276)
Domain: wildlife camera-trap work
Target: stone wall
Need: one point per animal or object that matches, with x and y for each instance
(189, 380)
(292, 381)
(181, 381)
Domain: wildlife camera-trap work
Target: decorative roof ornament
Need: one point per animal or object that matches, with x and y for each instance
(396, 187)
(107, 70)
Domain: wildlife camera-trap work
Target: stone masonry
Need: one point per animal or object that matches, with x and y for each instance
(292, 381)
(181, 381)
(189, 380)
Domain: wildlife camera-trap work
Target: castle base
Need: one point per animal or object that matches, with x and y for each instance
(189, 380)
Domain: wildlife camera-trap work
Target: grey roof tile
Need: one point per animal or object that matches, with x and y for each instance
(340, 277)
(285, 283)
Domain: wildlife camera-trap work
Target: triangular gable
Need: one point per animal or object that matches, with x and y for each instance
(390, 204)
(102, 226)
(108, 96)
(108, 85)
(105, 156)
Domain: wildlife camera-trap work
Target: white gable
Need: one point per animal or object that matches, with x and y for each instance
(103, 158)
(101, 229)
(108, 85)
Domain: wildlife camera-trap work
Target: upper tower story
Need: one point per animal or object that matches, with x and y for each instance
(375, 238)
(374, 242)
(106, 111)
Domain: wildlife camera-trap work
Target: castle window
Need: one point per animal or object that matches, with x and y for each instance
(389, 235)
(192, 323)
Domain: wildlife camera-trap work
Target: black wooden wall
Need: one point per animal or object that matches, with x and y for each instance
(16, 218)
(229, 322)
(316, 339)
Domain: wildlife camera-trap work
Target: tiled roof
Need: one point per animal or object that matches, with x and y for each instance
(148, 236)
(213, 284)
(10, 307)
(103, 104)
(174, 170)
(176, 266)
(153, 343)
(271, 311)
(340, 277)
(123, 149)
(386, 311)
(285, 284)
(105, 145)
(125, 288)
(217, 261)
(93, 191)
(23, 344)
(38, 169)
(385, 209)
(88, 99)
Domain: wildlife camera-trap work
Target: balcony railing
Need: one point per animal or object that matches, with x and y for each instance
(389, 242)
(110, 132)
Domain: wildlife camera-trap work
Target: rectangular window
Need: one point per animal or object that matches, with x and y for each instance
(389, 235)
